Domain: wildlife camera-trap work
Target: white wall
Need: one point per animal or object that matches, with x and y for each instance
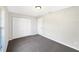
(22, 25)
(34, 26)
(61, 26)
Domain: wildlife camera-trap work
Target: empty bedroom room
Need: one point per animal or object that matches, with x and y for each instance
(40, 29)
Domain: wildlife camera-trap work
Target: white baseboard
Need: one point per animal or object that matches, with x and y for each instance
(60, 42)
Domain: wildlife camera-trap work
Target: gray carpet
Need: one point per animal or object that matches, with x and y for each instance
(37, 43)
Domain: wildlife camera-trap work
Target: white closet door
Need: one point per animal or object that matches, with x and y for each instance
(21, 27)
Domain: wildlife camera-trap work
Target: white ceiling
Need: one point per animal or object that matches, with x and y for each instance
(31, 11)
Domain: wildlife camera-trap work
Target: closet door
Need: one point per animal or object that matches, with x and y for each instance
(21, 27)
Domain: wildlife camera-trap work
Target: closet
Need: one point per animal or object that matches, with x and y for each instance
(21, 27)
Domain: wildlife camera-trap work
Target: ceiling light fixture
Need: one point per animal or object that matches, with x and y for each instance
(38, 7)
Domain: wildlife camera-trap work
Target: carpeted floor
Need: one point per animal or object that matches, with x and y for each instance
(37, 43)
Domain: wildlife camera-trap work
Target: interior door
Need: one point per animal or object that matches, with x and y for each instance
(0, 29)
(0, 38)
(4, 33)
